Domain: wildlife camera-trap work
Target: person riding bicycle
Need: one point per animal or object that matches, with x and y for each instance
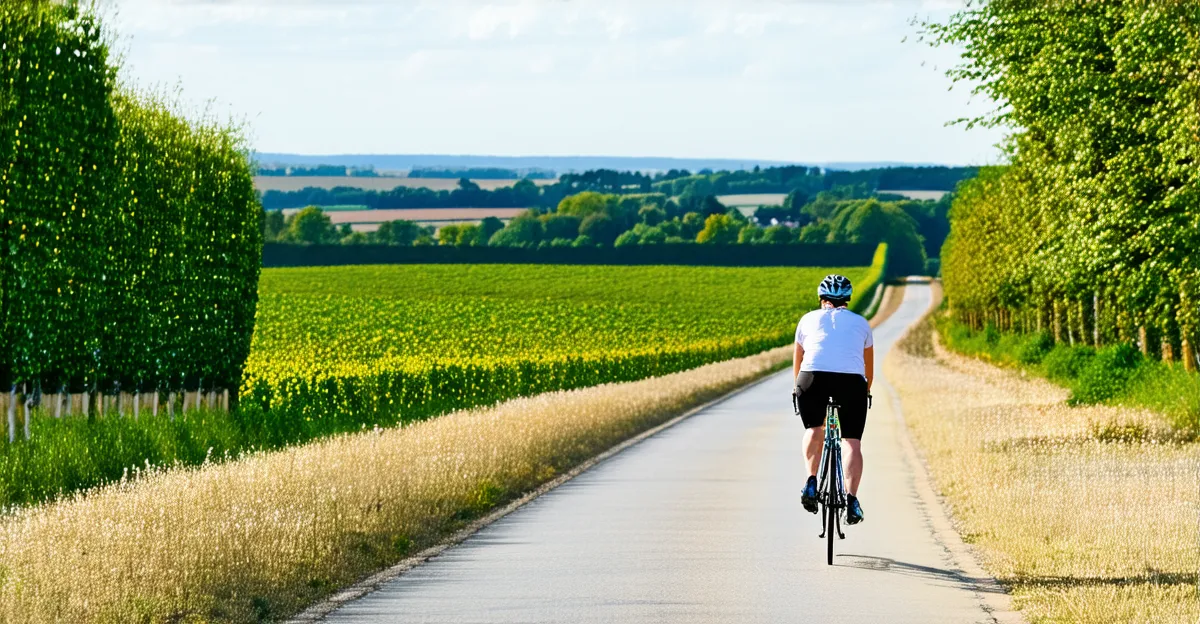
(834, 358)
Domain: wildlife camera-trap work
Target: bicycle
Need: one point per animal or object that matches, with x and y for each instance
(831, 483)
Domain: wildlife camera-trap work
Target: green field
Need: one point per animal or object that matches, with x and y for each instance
(344, 348)
(339, 348)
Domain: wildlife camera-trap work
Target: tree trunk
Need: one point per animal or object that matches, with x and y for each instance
(1143, 341)
(154, 404)
(1189, 355)
(12, 414)
(137, 403)
(1096, 319)
(171, 405)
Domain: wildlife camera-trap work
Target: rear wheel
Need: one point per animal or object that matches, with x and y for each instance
(831, 507)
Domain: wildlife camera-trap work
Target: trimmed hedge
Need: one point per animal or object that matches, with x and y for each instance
(288, 255)
(129, 236)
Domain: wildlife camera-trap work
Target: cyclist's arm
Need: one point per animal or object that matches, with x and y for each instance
(797, 359)
(869, 360)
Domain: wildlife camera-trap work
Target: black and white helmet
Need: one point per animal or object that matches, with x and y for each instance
(835, 287)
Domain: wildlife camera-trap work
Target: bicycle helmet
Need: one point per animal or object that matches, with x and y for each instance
(835, 287)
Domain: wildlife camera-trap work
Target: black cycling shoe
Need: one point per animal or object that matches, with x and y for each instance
(809, 497)
(854, 513)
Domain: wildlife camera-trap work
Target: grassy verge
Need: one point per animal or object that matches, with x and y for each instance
(261, 537)
(1087, 513)
(1116, 374)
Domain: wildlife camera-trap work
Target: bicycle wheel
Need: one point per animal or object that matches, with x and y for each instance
(832, 502)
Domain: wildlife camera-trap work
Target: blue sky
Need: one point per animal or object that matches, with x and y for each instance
(811, 81)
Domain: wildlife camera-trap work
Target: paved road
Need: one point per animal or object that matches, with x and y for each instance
(701, 523)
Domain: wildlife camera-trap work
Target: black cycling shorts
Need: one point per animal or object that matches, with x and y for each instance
(848, 390)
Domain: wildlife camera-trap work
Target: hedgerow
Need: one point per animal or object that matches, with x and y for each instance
(129, 236)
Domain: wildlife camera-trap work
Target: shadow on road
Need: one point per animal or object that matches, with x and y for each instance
(940, 575)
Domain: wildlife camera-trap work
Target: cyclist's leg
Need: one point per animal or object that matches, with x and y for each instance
(851, 394)
(813, 398)
(854, 464)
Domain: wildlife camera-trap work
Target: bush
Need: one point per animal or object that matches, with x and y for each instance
(1034, 349)
(1106, 375)
(1064, 363)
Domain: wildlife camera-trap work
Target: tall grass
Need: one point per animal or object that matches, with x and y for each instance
(1087, 513)
(1116, 374)
(262, 536)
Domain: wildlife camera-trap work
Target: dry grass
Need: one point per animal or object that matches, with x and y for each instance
(263, 536)
(1087, 514)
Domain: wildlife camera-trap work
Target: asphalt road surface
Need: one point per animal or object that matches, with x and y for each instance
(702, 523)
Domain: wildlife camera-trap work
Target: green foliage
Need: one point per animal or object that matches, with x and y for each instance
(1106, 375)
(131, 237)
(311, 225)
(871, 222)
(719, 229)
(600, 228)
(1101, 200)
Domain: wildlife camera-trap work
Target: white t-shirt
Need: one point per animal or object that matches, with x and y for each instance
(833, 340)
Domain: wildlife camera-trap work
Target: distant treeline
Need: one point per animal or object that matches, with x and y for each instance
(481, 173)
(319, 170)
(675, 183)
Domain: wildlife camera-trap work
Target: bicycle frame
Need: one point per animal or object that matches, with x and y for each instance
(831, 468)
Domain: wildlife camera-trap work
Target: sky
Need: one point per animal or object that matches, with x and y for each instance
(800, 80)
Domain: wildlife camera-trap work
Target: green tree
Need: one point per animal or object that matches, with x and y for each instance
(719, 229)
(750, 234)
(556, 225)
(781, 235)
(468, 235)
(627, 239)
(273, 225)
(399, 232)
(311, 225)
(652, 215)
(870, 222)
(523, 231)
(600, 228)
(448, 234)
(588, 203)
(690, 225)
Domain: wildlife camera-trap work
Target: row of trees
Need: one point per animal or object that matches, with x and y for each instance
(1092, 233)
(130, 236)
(591, 219)
(811, 181)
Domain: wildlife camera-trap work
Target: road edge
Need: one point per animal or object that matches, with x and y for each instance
(992, 596)
(320, 610)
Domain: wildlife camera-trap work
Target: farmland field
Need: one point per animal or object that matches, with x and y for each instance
(422, 215)
(753, 200)
(296, 183)
(346, 347)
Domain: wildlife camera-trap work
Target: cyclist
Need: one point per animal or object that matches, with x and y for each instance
(834, 357)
